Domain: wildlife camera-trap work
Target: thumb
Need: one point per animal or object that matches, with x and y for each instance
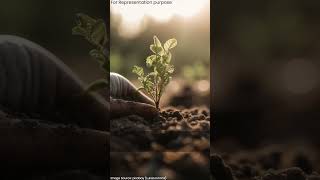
(122, 88)
(121, 108)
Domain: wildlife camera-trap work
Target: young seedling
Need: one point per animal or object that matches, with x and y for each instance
(95, 32)
(154, 83)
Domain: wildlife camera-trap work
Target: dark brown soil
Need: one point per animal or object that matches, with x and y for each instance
(37, 173)
(175, 145)
(296, 161)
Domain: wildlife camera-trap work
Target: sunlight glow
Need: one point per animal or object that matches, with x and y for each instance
(133, 15)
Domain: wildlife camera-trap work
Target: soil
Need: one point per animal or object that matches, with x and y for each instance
(291, 161)
(176, 145)
(56, 173)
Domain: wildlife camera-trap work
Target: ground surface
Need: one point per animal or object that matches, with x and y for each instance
(31, 173)
(291, 161)
(176, 145)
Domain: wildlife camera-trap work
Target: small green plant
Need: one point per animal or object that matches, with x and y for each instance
(154, 83)
(95, 32)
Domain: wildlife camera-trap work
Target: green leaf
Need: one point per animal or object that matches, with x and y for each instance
(98, 32)
(147, 82)
(167, 58)
(152, 74)
(98, 85)
(84, 25)
(157, 42)
(138, 70)
(155, 49)
(171, 43)
(84, 20)
(170, 69)
(98, 55)
(91, 29)
(79, 31)
(150, 60)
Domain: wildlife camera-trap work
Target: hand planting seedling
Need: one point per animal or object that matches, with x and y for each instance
(95, 32)
(154, 83)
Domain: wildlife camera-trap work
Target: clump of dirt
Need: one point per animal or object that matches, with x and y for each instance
(176, 145)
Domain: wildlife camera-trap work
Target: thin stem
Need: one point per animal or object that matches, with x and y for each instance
(156, 84)
(157, 88)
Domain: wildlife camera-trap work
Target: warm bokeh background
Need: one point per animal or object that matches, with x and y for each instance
(266, 70)
(132, 30)
(49, 24)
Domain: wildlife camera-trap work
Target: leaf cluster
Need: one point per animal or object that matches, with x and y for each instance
(154, 83)
(95, 32)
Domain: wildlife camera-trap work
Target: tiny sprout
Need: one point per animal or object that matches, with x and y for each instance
(154, 83)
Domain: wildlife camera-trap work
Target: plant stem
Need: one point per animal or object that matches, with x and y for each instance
(157, 104)
(156, 84)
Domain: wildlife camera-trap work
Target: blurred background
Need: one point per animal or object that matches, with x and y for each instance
(265, 71)
(132, 31)
(49, 24)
